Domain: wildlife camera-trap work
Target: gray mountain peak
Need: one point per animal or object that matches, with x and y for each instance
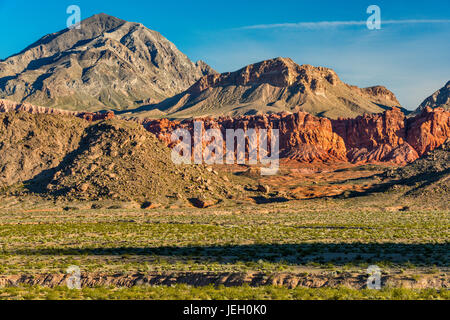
(108, 63)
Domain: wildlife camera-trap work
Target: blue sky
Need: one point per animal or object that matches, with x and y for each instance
(410, 54)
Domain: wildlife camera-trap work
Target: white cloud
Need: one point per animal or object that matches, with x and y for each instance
(334, 24)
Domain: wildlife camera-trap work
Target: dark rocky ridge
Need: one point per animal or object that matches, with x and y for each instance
(427, 178)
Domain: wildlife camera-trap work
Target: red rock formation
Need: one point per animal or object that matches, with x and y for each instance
(8, 106)
(374, 138)
(303, 137)
(428, 130)
(386, 137)
(90, 116)
(391, 137)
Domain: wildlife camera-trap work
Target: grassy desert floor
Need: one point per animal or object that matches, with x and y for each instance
(317, 239)
(185, 292)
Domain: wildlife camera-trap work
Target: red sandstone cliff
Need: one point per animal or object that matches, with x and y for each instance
(376, 138)
(428, 130)
(302, 136)
(391, 137)
(386, 137)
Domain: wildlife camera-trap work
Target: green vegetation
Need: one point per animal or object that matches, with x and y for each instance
(184, 292)
(279, 237)
(316, 239)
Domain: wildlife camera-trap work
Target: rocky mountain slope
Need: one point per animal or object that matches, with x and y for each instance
(66, 156)
(439, 99)
(107, 64)
(274, 86)
(433, 163)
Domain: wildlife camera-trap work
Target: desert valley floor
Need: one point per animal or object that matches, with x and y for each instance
(310, 233)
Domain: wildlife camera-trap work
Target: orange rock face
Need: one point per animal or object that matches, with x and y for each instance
(375, 138)
(303, 137)
(428, 130)
(391, 137)
(386, 137)
(90, 116)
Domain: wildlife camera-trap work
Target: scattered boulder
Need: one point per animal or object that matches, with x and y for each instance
(150, 205)
(263, 188)
(202, 202)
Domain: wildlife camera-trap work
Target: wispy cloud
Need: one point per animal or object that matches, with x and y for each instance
(335, 24)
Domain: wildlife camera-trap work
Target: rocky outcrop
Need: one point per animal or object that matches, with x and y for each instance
(274, 86)
(9, 106)
(381, 92)
(253, 279)
(386, 137)
(68, 157)
(428, 130)
(205, 68)
(427, 178)
(303, 137)
(278, 73)
(107, 64)
(391, 137)
(373, 138)
(90, 116)
(32, 144)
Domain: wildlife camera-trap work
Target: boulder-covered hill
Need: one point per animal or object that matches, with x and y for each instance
(105, 159)
(274, 86)
(427, 178)
(107, 64)
(439, 99)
